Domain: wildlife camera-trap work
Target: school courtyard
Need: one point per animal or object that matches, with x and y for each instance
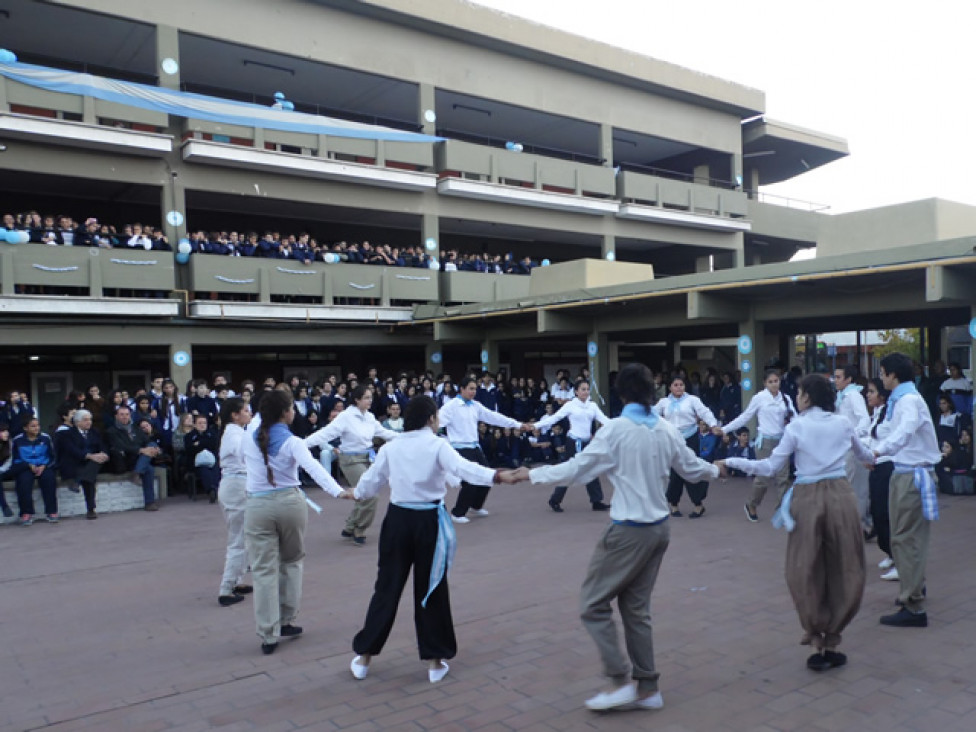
(114, 625)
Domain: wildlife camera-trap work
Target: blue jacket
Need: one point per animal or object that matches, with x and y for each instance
(25, 452)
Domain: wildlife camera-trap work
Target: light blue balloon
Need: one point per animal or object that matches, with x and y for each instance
(3, 233)
(12, 237)
(288, 106)
(23, 237)
(279, 95)
(7, 57)
(182, 257)
(546, 262)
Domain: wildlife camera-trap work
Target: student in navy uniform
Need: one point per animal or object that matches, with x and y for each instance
(197, 443)
(741, 449)
(34, 460)
(200, 402)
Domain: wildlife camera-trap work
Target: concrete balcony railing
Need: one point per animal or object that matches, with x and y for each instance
(39, 279)
(653, 198)
(270, 280)
(466, 287)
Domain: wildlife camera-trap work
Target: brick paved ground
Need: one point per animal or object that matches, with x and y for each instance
(114, 625)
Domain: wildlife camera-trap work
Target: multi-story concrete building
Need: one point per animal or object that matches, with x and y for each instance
(423, 123)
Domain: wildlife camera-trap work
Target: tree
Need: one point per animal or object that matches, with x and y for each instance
(905, 341)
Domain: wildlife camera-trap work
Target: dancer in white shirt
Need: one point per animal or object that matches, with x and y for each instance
(851, 405)
(235, 415)
(582, 413)
(774, 411)
(417, 533)
(276, 516)
(825, 549)
(355, 428)
(683, 411)
(460, 417)
(633, 453)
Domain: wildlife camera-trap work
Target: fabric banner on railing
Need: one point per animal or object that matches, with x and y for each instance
(199, 106)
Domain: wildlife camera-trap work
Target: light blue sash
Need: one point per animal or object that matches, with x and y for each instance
(446, 543)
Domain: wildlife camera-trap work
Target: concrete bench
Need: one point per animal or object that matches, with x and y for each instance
(122, 492)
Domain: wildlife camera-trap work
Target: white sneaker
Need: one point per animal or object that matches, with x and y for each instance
(619, 697)
(358, 670)
(436, 674)
(655, 701)
(460, 519)
(886, 563)
(480, 512)
(891, 575)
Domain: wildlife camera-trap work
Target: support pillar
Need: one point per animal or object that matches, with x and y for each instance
(701, 174)
(749, 358)
(168, 56)
(606, 145)
(489, 356)
(737, 174)
(433, 358)
(430, 229)
(425, 103)
(181, 363)
(608, 245)
(598, 360)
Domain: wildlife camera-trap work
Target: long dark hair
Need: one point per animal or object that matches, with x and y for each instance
(782, 394)
(884, 394)
(274, 404)
(819, 391)
(635, 384)
(228, 409)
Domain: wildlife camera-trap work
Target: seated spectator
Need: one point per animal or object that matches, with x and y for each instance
(708, 443)
(116, 399)
(81, 456)
(132, 449)
(742, 448)
(202, 448)
(65, 412)
(33, 460)
(201, 402)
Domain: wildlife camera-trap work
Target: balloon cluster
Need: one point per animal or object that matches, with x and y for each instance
(14, 237)
(281, 103)
(7, 57)
(331, 258)
(183, 250)
(514, 146)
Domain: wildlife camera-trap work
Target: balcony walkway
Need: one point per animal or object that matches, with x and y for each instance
(114, 625)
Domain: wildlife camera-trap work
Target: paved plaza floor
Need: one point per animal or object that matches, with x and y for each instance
(114, 625)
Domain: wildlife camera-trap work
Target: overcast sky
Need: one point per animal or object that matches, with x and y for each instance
(896, 80)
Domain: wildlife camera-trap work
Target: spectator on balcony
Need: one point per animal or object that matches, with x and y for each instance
(87, 236)
(67, 228)
(268, 247)
(46, 233)
(159, 241)
(302, 249)
(139, 239)
(107, 238)
(16, 412)
(249, 247)
(10, 222)
(33, 460)
(81, 456)
(201, 402)
(132, 449)
(525, 266)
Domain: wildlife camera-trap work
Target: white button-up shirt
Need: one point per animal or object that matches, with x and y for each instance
(909, 436)
(636, 462)
(284, 466)
(418, 467)
(820, 441)
(232, 450)
(581, 416)
(461, 418)
(870, 442)
(853, 407)
(356, 430)
(684, 413)
(770, 410)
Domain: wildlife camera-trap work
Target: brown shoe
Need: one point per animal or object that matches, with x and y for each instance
(152, 507)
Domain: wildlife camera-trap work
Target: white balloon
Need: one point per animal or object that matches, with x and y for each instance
(184, 246)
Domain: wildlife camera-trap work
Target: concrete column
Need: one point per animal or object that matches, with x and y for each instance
(753, 183)
(749, 358)
(430, 229)
(703, 264)
(739, 253)
(181, 363)
(425, 101)
(608, 246)
(598, 360)
(701, 174)
(173, 198)
(167, 50)
(737, 172)
(489, 356)
(433, 357)
(606, 145)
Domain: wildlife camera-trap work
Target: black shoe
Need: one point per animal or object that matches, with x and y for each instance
(868, 535)
(818, 662)
(7, 512)
(228, 600)
(346, 534)
(243, 589)
(359, 540)
(555, 507)
(835, 659)
(751, 515)
(73, 487)
(904, 618)
(600, 506)
(290, 631)
(268, 648)
(697, 514)
(675, 513)
(213, 496)
(91, 515)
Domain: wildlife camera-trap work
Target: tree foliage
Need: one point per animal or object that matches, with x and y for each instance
(907, 341)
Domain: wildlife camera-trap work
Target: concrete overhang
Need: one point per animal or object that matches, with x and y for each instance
(533, 197)
(780, 151)
(253, 311)
(246, 158)
(79, 134)
(88, 307)
(671, 217)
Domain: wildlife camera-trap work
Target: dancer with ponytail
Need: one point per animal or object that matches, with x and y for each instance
(276, 515)
(235, 415)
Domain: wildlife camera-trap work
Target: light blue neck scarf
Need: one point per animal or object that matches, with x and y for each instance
(897, 393)
(849, 389)
(277, 436)
(639, 414)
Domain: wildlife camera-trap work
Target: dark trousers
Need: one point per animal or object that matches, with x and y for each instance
(408, 539)
(209, 477)
(696, 491)
(48, 484)
(3, 498)
(144, 469)
(878, 480)
(471, 496)
(593, 489)
(87, 475)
